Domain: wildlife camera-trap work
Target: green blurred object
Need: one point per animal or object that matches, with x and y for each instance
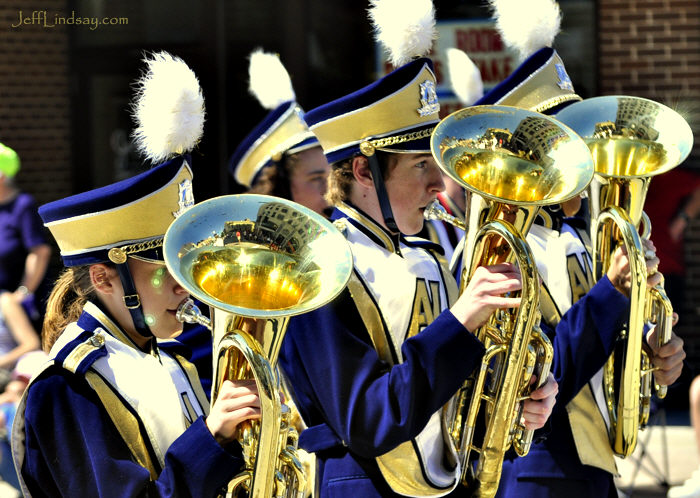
(9, 161)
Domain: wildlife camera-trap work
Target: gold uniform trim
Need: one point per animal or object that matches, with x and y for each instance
(369, 224)
(393, 114)
(587, 425)
(193, 378)
(288, 130)
(401, 472)
(370, 317)
(73, 360)
(540, 92)
(450, 282)
(589, 431)
(124, 421)
(108, 324)
(548, 308)
(145, 218)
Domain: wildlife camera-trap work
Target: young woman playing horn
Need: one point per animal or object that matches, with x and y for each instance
(113, 413)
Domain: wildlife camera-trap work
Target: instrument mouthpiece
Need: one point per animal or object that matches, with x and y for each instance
(188, 312)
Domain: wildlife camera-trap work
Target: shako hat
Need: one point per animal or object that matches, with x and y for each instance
(129, 218)
(283, 131)
(398, 112)
(540, 83)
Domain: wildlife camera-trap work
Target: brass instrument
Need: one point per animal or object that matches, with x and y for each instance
(513, 161)
(256, 261)
(632, 139)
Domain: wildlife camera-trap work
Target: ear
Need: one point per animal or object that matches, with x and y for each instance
(361, 171)
(102, 277)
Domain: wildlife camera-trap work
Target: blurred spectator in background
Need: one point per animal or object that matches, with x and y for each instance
(672, 202)
(691, 487)
(24, 251)
(17, 335)
(27, 365)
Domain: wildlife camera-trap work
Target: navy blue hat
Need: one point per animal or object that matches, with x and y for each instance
(127, 218)
(283, 131)
(396, 113)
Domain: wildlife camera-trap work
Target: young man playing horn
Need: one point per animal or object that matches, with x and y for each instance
(371, 370)
(582, 318)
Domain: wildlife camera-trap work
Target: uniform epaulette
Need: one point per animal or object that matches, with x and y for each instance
(424, 244)
(81, 352)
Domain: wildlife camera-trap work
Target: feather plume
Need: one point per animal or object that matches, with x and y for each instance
(527, 26)
(269, 80)
(406, 28)
(464, 77)
(169, 108)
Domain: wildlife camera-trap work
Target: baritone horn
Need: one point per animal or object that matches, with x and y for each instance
(256, 261)
(512, 161)
(632, 140)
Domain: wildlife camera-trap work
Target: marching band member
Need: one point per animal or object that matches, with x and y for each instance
(371, 370)
(280, 157)
(112, 413)
(582, 320)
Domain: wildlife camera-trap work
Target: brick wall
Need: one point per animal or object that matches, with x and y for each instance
(651, 48)
(34, 97)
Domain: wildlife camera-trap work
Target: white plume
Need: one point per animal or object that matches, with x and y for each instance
(465, 77)
(269, 80)
(527, 26)
(406, 28)
(169, 108)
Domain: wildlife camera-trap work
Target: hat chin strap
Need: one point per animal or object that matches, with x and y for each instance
(382, 194)
(132, 300)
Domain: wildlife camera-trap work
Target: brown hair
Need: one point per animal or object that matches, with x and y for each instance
(341, 179)
(65, 305)
(274, 179)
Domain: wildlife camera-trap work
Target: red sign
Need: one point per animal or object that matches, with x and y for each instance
(481, 42)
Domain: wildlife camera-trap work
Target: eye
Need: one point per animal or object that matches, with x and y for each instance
(422, 165)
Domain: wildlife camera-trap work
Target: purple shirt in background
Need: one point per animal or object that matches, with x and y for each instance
(21, 230)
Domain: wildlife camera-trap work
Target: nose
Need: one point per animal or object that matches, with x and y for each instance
(177, 288)
(436, 184)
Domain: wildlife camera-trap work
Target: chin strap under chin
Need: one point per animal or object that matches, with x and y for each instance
(132, 300)
(382, 194)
